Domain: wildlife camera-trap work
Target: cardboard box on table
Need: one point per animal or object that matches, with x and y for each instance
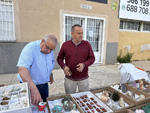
(52, 98)
(136, 91)
(111, 90)
(26, 109)
(145, 91)
(88, 95)
(91, 100)
(132, 110)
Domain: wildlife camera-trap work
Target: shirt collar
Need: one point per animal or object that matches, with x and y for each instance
(75, 43)
(39, 44)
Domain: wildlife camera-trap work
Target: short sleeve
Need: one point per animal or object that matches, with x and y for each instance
(26, 56)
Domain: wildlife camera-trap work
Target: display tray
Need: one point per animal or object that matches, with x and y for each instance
(115, 105)
(133, 95)
(146, 84)
(56, 101)
(89, 103)
(15, 98)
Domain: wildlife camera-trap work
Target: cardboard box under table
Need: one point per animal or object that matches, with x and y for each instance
(55, 100)
(137, 94)
(15, 99)
(128, 103)
(146, 91)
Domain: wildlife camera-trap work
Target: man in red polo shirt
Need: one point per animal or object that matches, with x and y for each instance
(78, 55)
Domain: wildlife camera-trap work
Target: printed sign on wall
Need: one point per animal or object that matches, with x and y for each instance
(114, 5)
(135, 9)
(100, 1)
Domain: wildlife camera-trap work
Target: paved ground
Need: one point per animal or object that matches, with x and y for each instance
(100, 76)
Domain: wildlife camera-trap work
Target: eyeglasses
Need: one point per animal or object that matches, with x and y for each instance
(49, 48)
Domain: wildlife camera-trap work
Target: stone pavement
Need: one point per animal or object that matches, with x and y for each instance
(99, 76)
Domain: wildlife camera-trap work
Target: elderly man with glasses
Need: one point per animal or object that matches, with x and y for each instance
(35, 66)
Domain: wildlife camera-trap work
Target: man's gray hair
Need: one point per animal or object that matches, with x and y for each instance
(50, 37)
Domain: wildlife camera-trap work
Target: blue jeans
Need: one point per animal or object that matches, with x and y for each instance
(44, 91)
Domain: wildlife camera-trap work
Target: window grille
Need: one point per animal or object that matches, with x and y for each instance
(94, 25)
(7, 29)
(69, 22)
(130, 25)
(121, 24)
(146, 26)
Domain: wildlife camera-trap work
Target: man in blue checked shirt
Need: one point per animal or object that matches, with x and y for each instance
(35, 66)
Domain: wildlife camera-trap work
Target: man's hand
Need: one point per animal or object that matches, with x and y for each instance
(35, 95)
(80, 67)
(67, 71)
(51, 79)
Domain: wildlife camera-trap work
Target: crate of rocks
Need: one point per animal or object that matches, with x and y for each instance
(62, 104)
(15, 99)
(89, 103)
(141, 85)
(115, 100)
(133, 94)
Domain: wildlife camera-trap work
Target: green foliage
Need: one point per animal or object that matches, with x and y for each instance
(124, 59)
